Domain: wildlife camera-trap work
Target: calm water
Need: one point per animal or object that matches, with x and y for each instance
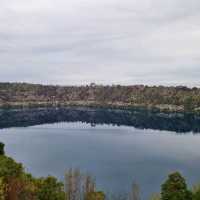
(104, 143)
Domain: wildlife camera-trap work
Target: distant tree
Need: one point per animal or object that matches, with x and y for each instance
(175, 188)
(188, 104)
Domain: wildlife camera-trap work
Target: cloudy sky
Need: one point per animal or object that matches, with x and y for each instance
(101, 41)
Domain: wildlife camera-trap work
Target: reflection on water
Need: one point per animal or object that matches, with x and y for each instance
(142, 119)
(116, 155)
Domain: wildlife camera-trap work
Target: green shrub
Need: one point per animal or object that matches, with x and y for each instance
(175, 188)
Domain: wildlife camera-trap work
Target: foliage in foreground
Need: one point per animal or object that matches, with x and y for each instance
(16, 184)
(175, 188)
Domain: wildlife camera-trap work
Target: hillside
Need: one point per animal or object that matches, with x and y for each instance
(164, 98)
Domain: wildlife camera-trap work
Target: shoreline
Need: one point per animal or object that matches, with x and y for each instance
(118, 105)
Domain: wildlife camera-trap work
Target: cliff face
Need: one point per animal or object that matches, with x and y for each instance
(164, 98)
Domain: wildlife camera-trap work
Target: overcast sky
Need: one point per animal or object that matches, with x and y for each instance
(101, 41)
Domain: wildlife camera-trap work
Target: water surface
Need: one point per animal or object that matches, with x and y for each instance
(105, 143)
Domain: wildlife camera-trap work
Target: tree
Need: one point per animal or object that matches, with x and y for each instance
(175, 188)
(9, 168)
(135, 192)
(16, 184)
(188, 104)
(50, 189)
(78, 185)
(72, 184)
(2, 148)
(10, 174)
(88, 185)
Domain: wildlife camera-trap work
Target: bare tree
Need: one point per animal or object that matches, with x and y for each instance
(78, 185)
(88, 185)
(69, 184)
(135, 192)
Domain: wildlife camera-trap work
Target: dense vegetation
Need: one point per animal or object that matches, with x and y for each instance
(16, 184)
(164, 98)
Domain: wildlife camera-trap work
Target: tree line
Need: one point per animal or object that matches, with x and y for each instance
(16, 184)
(178, 98)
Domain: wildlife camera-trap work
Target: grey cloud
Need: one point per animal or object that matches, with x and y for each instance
(115, 41)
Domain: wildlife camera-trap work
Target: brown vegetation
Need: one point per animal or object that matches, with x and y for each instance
(160, 97)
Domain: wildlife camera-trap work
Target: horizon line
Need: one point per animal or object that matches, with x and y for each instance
(100, 84)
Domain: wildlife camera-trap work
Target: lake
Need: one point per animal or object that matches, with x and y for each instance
(117, 147)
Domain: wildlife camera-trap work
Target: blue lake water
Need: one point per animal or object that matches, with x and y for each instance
(115, 154)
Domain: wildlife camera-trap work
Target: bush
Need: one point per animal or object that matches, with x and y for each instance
(50, 189)
(155, 197)
(95, 196)
(175, 188)
(196, 192)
